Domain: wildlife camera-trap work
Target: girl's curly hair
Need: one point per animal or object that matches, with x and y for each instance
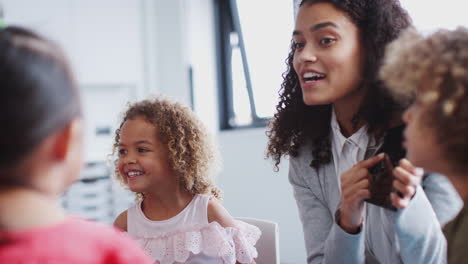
(434, 70)
(192, 154)
(294, 123)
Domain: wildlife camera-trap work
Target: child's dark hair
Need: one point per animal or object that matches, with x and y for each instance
(379, 22)
(39, 95)
(435, 68)
(192, 154)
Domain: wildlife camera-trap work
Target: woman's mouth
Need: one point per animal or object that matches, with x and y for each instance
(310, 77)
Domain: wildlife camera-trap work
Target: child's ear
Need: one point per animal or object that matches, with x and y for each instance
(66, 138)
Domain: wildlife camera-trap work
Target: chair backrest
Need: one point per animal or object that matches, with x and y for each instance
(268, 244)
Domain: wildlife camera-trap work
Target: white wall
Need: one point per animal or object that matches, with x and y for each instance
(252, 189)
(103, 41)
(165, 43)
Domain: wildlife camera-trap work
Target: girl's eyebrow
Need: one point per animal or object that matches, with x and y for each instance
(317, 27)
(143, 142)
(137, 143)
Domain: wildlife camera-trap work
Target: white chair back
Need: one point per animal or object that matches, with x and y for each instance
(268, 244)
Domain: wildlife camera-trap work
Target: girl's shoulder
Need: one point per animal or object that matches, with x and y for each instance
(217, 213)
(121, 221)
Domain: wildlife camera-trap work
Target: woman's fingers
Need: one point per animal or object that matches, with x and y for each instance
(360, 195)
(355, 182)
(350, 191)
(354, 190)
(370, 161)
(399, 202)
(388, 162)
(406, 164)
(353, 175)
(407, 190)
(360, 170)
(407, 179)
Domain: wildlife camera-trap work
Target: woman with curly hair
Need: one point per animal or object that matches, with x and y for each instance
(434, 69)
(333, 119)
(166, 156)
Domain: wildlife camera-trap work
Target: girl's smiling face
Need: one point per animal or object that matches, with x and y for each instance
(328, 57)
(143, 161)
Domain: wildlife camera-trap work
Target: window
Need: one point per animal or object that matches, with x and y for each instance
(254, 39)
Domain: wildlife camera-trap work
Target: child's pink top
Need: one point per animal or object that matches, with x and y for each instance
(189, 238)
(73, 241)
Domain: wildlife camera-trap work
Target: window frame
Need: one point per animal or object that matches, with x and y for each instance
(227, 21)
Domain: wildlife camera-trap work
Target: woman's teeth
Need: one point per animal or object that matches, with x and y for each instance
(312, 76)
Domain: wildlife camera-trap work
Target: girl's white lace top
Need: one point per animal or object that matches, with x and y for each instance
(189, 238)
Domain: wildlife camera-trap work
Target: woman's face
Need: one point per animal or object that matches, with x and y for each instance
(328, 57)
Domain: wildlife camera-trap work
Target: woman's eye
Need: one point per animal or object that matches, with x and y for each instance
(298, 45)
(327, 41)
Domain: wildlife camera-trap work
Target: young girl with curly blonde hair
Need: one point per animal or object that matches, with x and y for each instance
(166, 156)
(432, 73)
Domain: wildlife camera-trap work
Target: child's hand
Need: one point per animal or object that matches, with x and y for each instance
(407, 179)
(354, 190)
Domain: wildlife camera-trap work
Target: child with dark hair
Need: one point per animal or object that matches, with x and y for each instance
(333, 119)
(166, 157)
(41, 143)
(432, 73)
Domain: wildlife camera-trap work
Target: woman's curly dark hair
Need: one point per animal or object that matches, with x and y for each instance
(295, 123)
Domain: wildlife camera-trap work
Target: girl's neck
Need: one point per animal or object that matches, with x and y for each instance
(345, 111)
(24, 208)
(165, 204)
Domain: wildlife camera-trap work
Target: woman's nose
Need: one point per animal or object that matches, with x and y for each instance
(308, 54)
